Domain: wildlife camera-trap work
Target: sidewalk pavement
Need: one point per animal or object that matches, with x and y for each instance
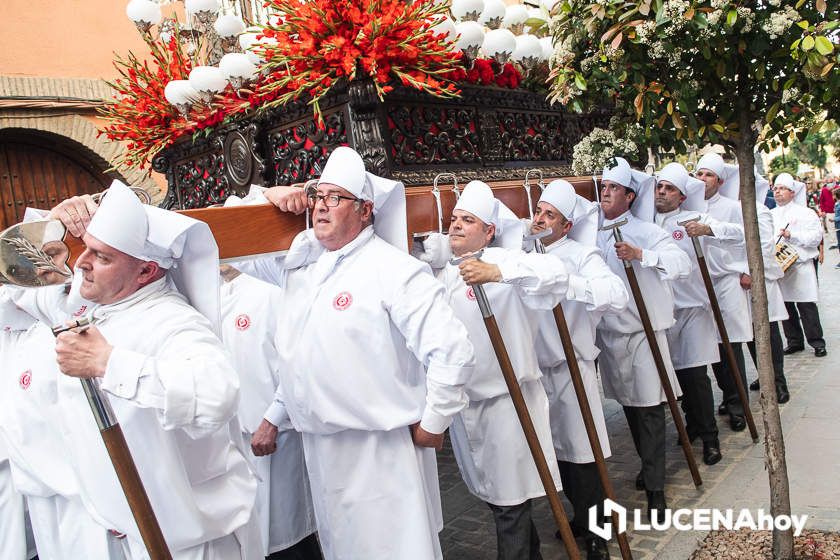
(812, 441)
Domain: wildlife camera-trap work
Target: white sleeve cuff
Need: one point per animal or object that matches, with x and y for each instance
(649, 258)
(577, 288)
(277, 414)
(123, 373)
(433, 422)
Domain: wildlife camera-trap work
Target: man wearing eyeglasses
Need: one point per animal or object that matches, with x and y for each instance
(372, 365)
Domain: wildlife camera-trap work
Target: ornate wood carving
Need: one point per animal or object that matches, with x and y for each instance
(491, 134)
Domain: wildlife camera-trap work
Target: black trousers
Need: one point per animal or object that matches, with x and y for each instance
(647, 425)
(725, 380)
(307, 549)
(698, 403)
(810, 322)
(582, 486)
(777, 351)
(516, 534)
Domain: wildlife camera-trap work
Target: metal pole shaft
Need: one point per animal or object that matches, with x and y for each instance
(734, 370)
(124, 466)
(527, 423)
(660, 366)
(586, 412)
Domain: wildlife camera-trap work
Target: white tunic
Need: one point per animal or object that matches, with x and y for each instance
(39, 465)
(174, 393)
(358, 327)
(487, 439)
(800, 280)
(592, 290)
(772, 270)
(284, 505)
(627, 369)
(727, 261)
(693, 338)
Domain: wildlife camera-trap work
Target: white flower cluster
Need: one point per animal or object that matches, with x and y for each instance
(790, 95)
(747, 19)
(779, 22)
(593, 152)
(720, 4)
(646, 31)
(714, 17)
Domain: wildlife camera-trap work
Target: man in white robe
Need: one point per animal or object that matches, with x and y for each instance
(730, 276)
(800, 227)
(772, 275)
(157, 356)
(284, 506)
(628, 372)
(593, 289)
(39, 466)
(361, 320)
(488, 442)
(692, 340)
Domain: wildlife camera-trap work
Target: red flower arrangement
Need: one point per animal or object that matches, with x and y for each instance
(317, 43)
(322, 41)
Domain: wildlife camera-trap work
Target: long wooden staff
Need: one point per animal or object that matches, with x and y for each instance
(734, 370)
(657, 356)
(524, 416)
(585, 410)
(114, 440)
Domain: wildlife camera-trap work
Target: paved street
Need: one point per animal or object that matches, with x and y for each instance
(738, 481)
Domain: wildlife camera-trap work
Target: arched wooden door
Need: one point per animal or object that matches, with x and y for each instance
(40, 171)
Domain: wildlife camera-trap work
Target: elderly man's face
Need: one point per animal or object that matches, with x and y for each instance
(336, 226)
(712, 181)
(668, 197)
(782, 194)
(548, 217)
(615, 199)
(468, 234)
(108, 275)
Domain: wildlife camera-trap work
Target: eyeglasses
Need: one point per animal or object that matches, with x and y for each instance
(329, 200)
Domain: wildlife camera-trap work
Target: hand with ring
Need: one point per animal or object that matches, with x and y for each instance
(75, 213)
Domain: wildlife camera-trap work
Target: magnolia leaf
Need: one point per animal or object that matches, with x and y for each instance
(661, 120)
(826, 69)
(731, 17)
(644, 8)
(638, 103)
(718, 128)
(580, 82)
(675, 118)
(803, 24)
(821, 7)
(771, 114)
(617, 41)
(808, 43)
(759, 72)
(795, 44)
(823, 45)
(670, 107)
(701, 131)
(799, 4)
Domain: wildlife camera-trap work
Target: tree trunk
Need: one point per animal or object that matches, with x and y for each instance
(774, 444)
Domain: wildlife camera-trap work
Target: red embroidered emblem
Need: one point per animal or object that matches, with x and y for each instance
(471, 293)
(342, 301)
(81, 310)
(243, 322)
(25, 379)
(678, 234)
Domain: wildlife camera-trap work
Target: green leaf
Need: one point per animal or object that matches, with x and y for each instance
(795, 44)
(771, 114)
(731, 17)
(803, 24)
(718, 128)
(759, 72)
(799, 4)
(580, 81)
(808, 43)
(824, 46)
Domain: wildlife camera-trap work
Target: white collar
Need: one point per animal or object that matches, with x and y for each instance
(662, 216)
(557, 244)
(101, 312)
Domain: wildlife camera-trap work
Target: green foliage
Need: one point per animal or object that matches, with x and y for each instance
(812, 150)
(787, 163)
(694, 72)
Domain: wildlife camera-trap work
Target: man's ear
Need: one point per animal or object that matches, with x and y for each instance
(149, 272)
